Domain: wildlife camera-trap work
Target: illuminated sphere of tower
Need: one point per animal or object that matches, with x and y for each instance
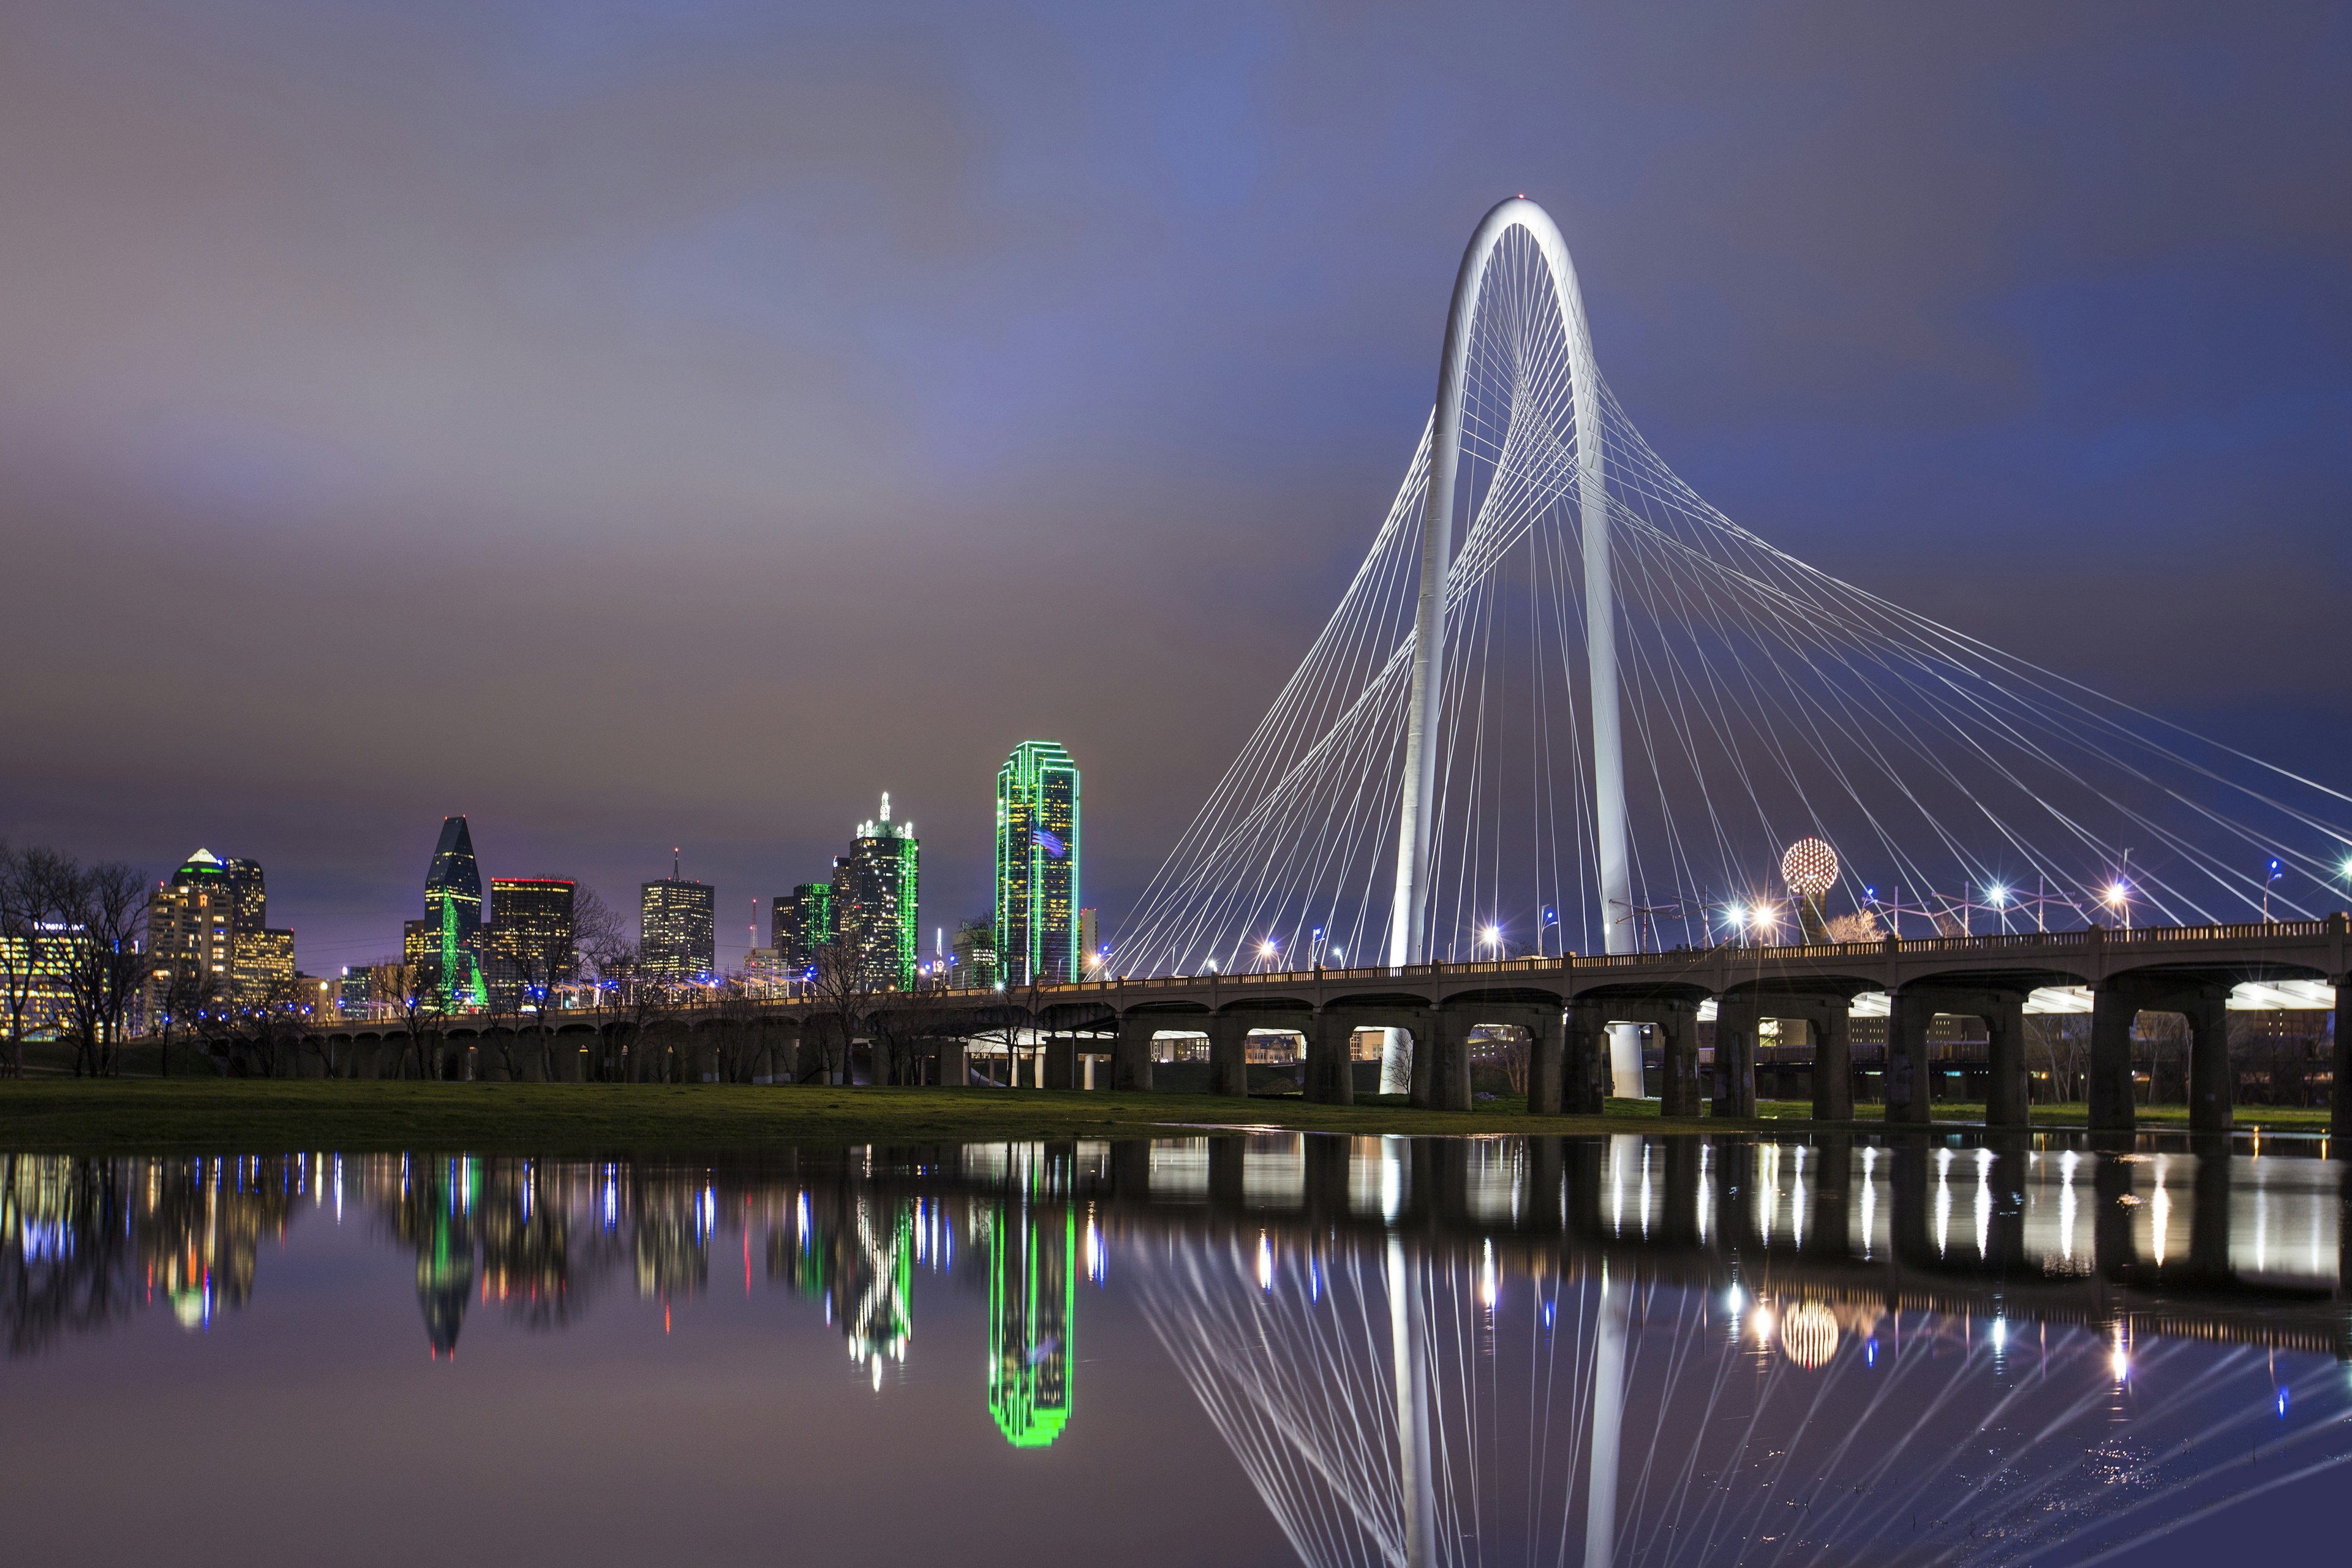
(1810, 867)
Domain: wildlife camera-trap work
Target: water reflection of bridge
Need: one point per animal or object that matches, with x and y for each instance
(2212, 1244)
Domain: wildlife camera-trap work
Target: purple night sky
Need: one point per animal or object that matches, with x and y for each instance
(638, 424)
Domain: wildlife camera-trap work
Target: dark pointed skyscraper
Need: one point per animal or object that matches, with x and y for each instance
(448, 935)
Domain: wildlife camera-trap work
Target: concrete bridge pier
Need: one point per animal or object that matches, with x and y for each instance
(1130, 1060)
(1678, 1034)
(1061, 1062)
(2113, 1107)
(2008, 1096)
(1584, 1080)
(1547, 1061)
(1832, 1027)
(1331, 1064)
(2212, 1085)
(1908, 1087)
(1229, 1055)
(1737, 1019)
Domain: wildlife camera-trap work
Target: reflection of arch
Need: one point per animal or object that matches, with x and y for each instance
(1360, 1384)
(1032, 1300)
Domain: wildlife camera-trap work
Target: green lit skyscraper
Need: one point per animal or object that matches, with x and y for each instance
(876, 889)
(1037, 865)
(453, 916)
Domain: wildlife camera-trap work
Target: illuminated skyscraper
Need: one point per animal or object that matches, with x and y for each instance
(801, 923)
(449, 943)
(875, 891)
(530, 939)
(677, 929)
(1037, 865)
(975, 954)
(207, 929)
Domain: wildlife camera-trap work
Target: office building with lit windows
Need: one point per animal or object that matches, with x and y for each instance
(875, 891)
(975, 955)
(800, 923)
(208, 932)
(529, 946)
(1037, 825)
(677, 931)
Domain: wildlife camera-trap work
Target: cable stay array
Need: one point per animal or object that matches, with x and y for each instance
(1748, 700)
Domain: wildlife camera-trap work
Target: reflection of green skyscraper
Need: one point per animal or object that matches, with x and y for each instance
(1032, 1300)
(1037, 865)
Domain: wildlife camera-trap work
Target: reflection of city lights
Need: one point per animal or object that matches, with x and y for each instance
(2119, 1358)
(2001, 1333)
(1870, 1352)
(1487, 1288)
(1265, 1262)
(1763, 1322)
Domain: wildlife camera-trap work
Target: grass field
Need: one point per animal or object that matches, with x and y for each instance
(253, 1116)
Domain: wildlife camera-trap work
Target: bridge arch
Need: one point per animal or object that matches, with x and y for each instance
(1409, 922)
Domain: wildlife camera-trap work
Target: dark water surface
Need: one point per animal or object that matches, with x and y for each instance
(1233, 1347)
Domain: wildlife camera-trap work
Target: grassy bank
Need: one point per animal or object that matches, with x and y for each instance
(247, 1116)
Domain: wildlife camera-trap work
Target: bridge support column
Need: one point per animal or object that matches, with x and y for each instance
(1331, 1064)
(1547, 1060)
(1834, 1065)
(1585, 1087)
(2212, 1082)
(1908, 1084)
(2007, 1098)
(1735, 1019)
(1678, 1035)
(1229, 1056)
(1130, 1061)
(1061, 1060)
(954, 1066)
(1441, 1073)
(2112, 1012)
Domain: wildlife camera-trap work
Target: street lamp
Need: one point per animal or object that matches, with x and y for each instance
(2119, 899)
(1550, 917)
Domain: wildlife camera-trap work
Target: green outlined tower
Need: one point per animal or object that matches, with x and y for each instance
(453, 916)
(1032, 1305)
(1037, 865)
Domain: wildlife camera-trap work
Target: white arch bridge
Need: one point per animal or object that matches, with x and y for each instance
(1566, 705)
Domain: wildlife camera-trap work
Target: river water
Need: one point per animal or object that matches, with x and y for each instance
(1229, 1346)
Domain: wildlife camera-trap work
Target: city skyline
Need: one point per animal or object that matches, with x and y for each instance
(1834, 268)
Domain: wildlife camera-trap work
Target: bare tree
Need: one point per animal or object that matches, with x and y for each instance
(844, 992)
(24, 917)
(418, 1006)
(267, 1032)
(104, 909)
(187, 988)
